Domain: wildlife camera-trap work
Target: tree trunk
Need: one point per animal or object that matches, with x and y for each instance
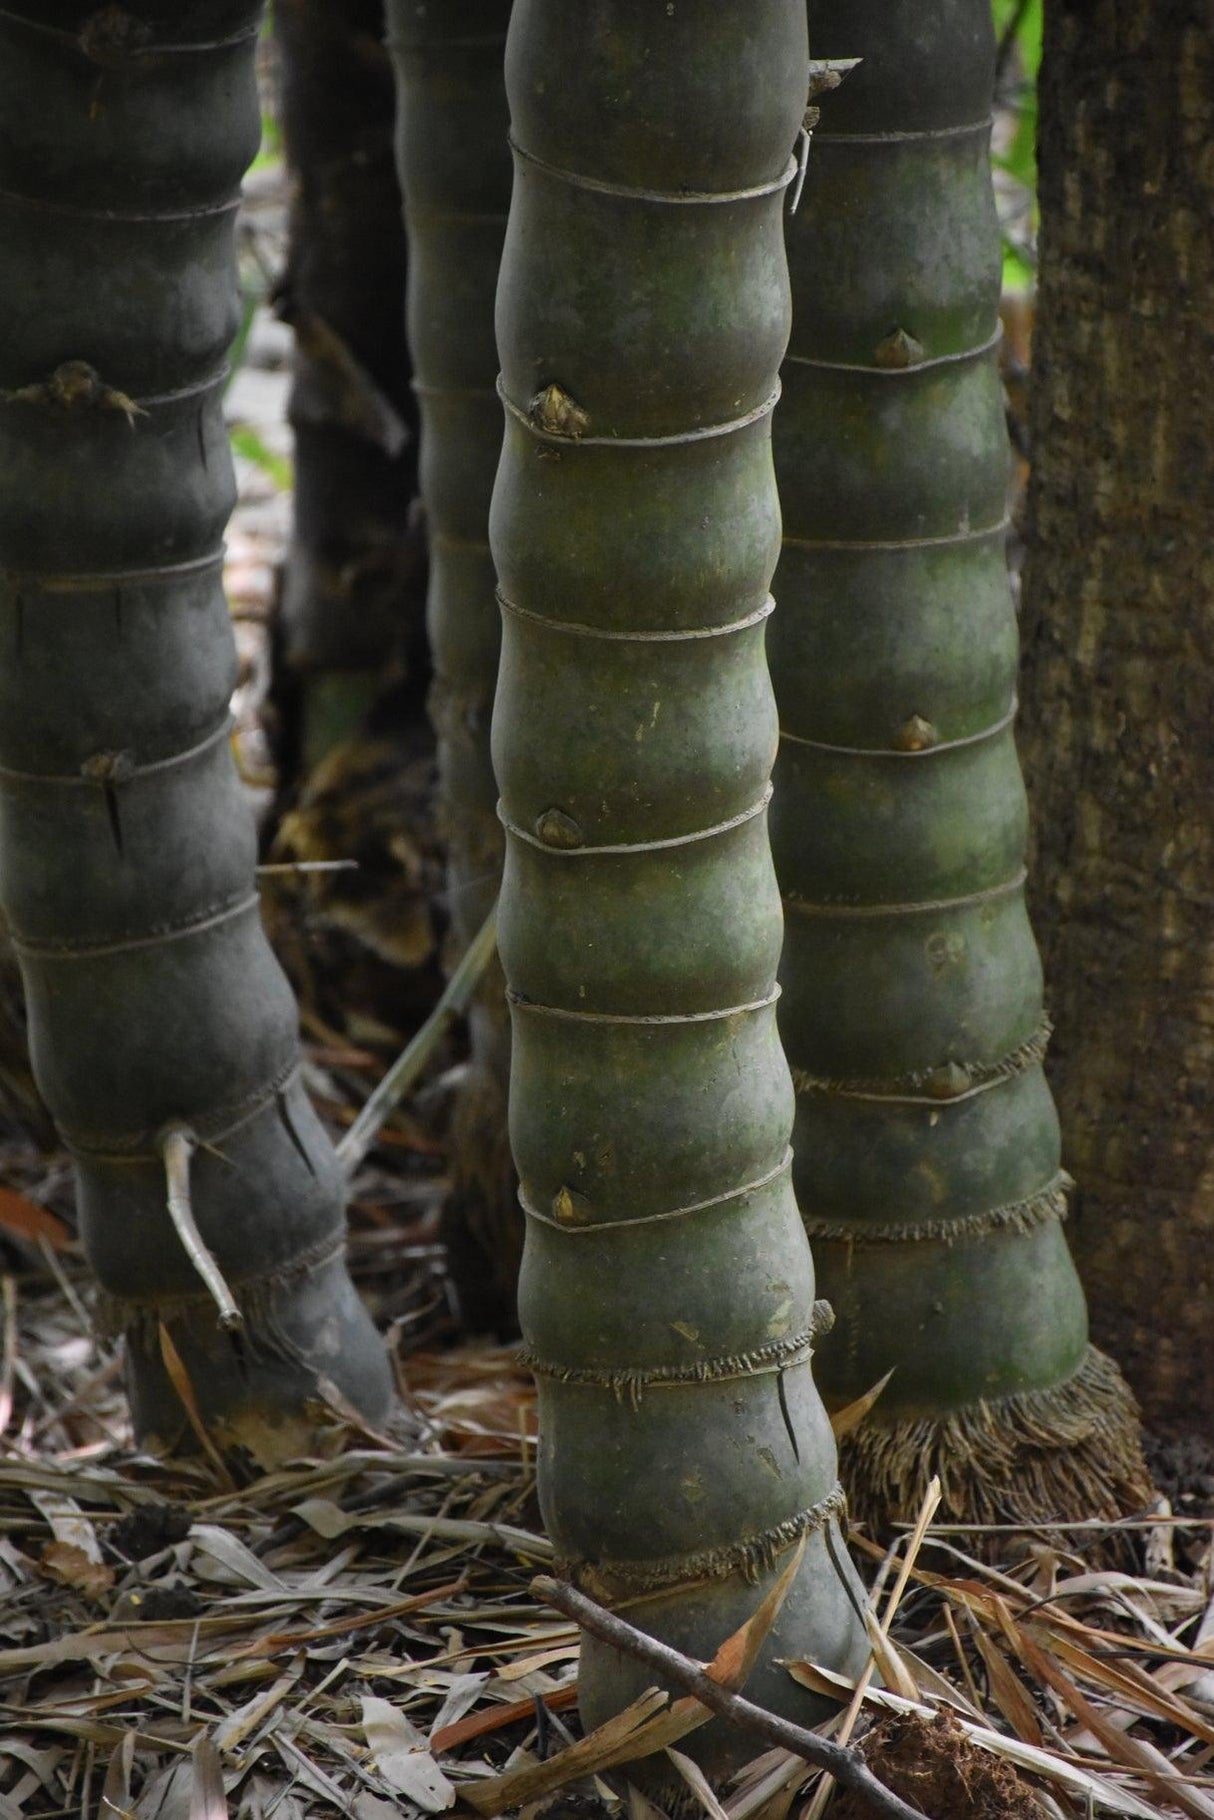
(1119, 667)
(353, 591)
(927, 1146)
(667, 1286)
(455, 173)
(160, 1023)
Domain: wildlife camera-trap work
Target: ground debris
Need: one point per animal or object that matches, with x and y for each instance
(932, 1763)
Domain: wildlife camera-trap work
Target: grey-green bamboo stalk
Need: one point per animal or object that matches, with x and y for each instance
(455, 173)
(926, 1140)
(667, 1288)
(161, 1027)
(353, 586)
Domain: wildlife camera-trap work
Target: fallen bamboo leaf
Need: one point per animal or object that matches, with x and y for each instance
(245, 1720)
(116, 1789)
(461, 1696)
(399, 1753)
(26, 1219)
(698, 1783)
(230, 1552)
(480, 1725)
(1127, 1683)
(207, 1798)
(846, 1419)
(1121, 1747)
(71, 1566)
(179, 1377)
(650, 1723)
(1009, 1696)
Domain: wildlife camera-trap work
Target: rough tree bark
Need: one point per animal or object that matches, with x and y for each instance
(163, 1034)
(1118, 675)
(667, 1287)
(353, 590)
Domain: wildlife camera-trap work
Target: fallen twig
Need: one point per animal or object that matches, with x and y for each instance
(846, 1766)
(413, 1058)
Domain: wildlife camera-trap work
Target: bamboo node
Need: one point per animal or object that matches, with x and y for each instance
(75, 383)
(751, 1558)
(629, 1385)
(569, 1208)
(112, 36)
(916, 735)
(951, 1080)
(898, 351)
(553, 411)
(556, 829)
(108, 767)
(1023, 1215)
(947, 1082)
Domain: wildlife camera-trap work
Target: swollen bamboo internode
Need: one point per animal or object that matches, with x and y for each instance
(667, 1294)
(158, 1015)
(927, 1148)
(454, 165)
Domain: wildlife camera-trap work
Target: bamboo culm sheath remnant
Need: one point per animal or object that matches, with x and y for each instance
(159, 1019)
(927, 1148)
(666, 1295)
(455, 173)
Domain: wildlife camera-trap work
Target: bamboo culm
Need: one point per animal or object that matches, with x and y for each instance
(455, 172)
(666, 1295)
(352, 613)
(127, 846)
(927, 1148)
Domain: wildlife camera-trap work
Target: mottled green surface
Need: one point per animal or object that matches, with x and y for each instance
(127, 848)
(667, 1289)
(927, 1150)
(455, 172)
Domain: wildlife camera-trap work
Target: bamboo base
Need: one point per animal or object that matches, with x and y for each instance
(1062, 1454)
(307, 1356)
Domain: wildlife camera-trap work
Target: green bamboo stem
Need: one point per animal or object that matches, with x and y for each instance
(352, 600)
(127, 847)
(455, 173)
(667, 1289)
(927, 1146)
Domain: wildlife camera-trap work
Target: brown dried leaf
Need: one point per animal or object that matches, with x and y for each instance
(844, 1420)
(27, 1220)
(649, 1723)
(738, 1654)
(207, 1798)
(71, 1566)
(1009, 1696)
